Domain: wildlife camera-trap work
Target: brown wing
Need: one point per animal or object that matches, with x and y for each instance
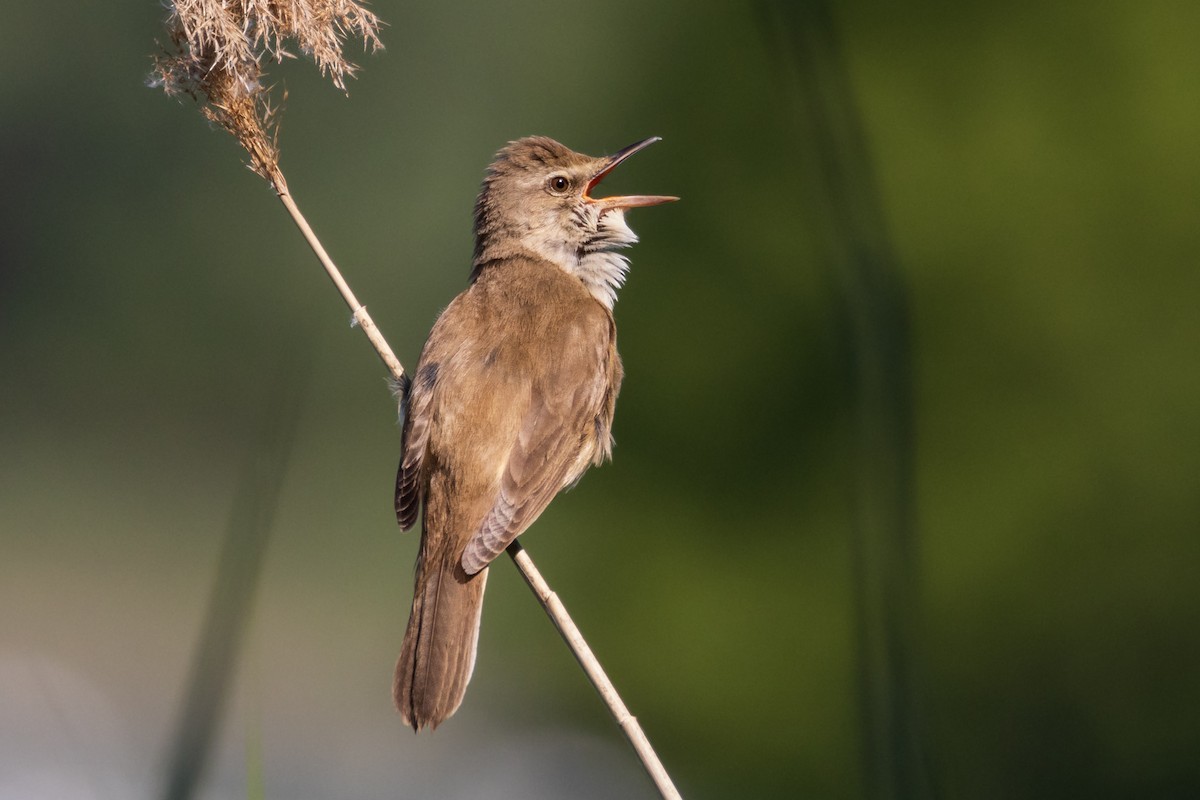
(413, 442)
(565, 429)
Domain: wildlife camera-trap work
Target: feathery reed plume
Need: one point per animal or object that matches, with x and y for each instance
(215, 56)
(217, 49)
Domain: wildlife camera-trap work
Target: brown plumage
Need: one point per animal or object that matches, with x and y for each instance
(512, 399)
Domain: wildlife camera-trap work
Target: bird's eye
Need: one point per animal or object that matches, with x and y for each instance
(559, 184)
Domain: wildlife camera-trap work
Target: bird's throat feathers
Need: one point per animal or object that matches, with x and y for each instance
(584, 249)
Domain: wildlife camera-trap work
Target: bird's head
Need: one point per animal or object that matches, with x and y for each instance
(537, 199)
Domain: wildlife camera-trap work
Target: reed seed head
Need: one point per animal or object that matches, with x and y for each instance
(217, 49)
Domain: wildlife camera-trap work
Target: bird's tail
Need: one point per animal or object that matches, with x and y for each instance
(438, 654)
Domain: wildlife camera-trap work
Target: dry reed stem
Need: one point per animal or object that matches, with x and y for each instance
(361, 318)
(591, 666)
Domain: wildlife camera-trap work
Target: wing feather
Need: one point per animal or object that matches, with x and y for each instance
(414, 441)
(565, 429)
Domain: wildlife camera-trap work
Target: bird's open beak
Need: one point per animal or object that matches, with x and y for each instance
(627, 201)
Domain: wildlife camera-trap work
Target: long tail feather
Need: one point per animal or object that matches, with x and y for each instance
(438, 654)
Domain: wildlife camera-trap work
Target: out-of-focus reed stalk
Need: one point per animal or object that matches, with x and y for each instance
(847, 212)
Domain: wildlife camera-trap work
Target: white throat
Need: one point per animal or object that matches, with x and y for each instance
(601, 270)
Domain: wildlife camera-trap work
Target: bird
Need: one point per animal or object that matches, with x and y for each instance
(512, 399)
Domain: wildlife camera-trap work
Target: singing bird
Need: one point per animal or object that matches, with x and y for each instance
(512, 399)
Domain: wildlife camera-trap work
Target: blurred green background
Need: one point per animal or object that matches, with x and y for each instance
(1036, 170)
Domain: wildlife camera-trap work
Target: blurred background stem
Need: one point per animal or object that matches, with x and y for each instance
(843, 199)
(231, 605)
